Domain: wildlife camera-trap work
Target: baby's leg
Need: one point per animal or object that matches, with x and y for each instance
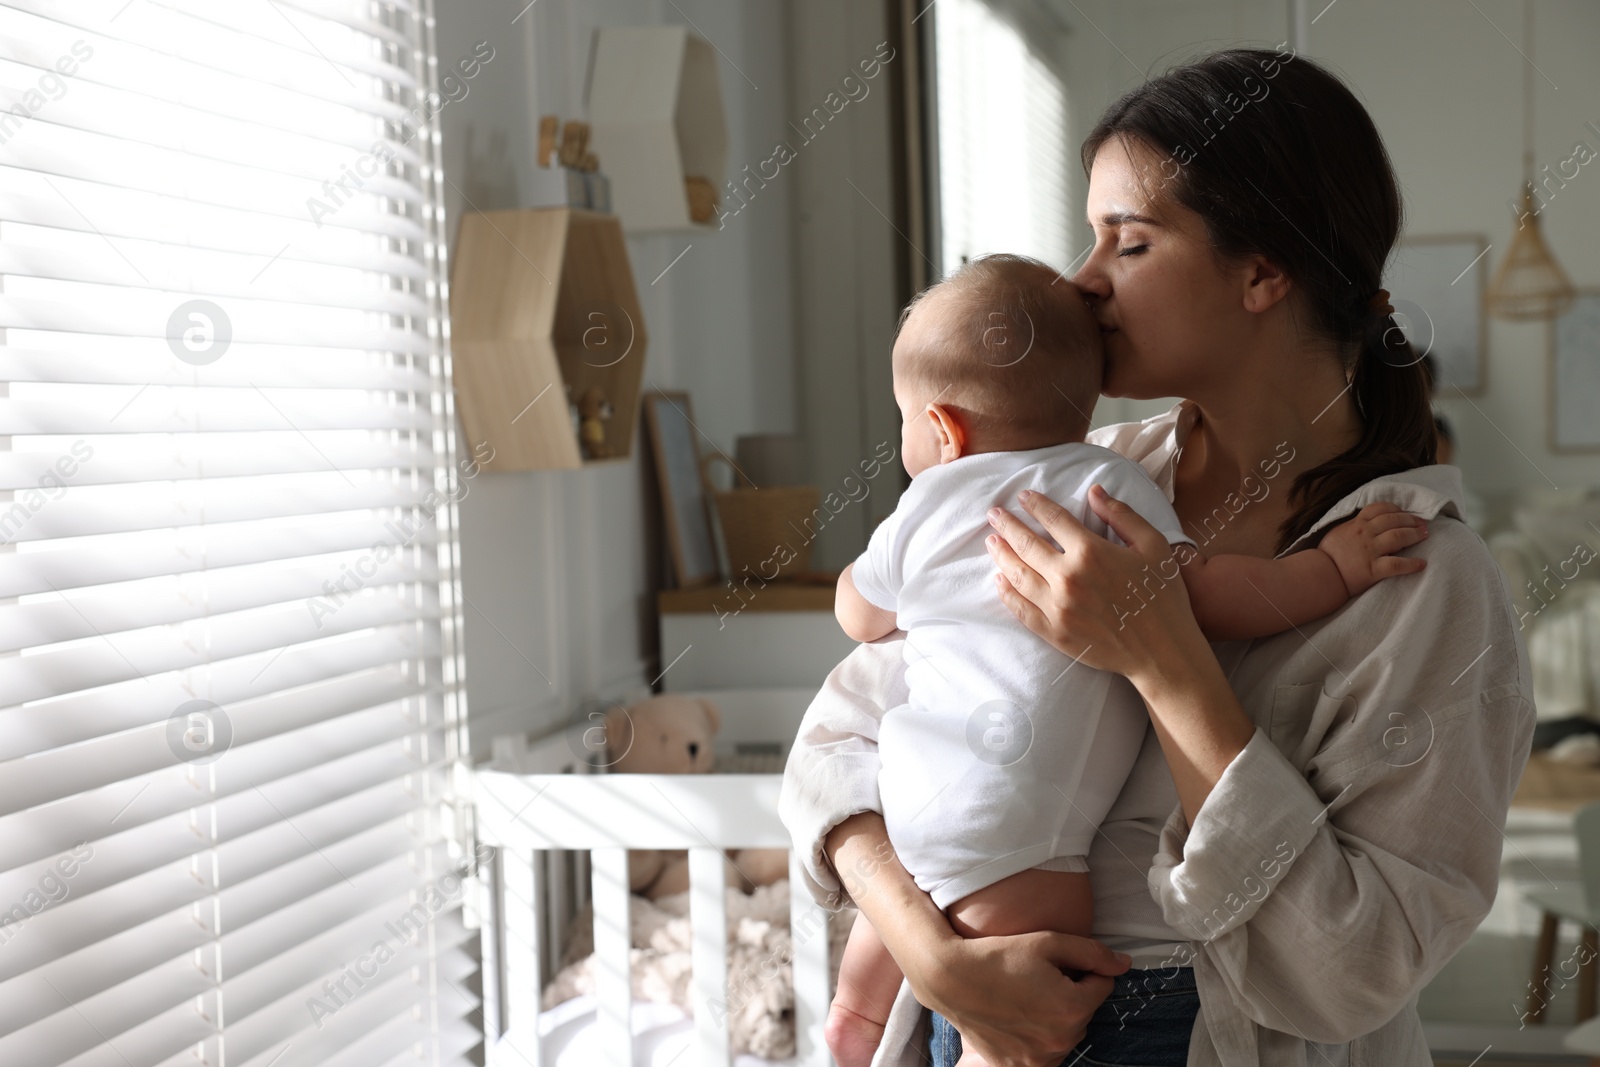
(1032, 900)
(868, 981)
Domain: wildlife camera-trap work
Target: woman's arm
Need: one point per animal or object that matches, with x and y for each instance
(1372, 844)
(1008, 996)
(832, 770)
(829, 803)
(1332, 868)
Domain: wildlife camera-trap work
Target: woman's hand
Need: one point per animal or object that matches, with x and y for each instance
(1114, 608)
(1008, 996)
(1125, 610)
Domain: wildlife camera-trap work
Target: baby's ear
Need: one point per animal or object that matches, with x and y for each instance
(948, 432)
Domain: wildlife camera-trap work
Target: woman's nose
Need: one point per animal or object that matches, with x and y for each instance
(1091, 280)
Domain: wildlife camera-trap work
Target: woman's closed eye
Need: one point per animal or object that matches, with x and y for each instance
(1133, 251)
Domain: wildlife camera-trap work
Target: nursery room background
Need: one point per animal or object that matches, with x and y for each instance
(415, 409)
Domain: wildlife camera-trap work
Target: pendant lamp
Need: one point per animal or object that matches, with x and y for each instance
(1530, 284)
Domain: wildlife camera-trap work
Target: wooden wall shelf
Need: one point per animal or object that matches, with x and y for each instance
(542, 301)
(655, 115)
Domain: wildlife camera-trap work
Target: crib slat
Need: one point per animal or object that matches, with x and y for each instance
(708, 961)
(558, 907)
(612, 963)
(523, 908)
(808, 929)
(490, 890)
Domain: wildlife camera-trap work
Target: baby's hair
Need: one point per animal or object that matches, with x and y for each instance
(1017, 353)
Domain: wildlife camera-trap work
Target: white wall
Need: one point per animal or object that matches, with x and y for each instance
(1445, 88)
(846, 249)
(1444, 85)
(554, 564)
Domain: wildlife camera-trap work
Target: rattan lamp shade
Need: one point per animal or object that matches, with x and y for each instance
(1530, 284)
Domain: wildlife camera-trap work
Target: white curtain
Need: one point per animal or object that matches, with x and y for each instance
(1002, 134)
(230, 683)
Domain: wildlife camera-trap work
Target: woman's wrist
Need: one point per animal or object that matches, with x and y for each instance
(1174, 656)
(931, 966)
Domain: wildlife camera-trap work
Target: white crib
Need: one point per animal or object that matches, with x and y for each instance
(561, 834)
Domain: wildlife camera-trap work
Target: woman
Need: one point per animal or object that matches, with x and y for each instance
(1323, 807)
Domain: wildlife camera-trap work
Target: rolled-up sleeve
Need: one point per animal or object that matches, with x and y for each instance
(832, 770)
(1355, 843)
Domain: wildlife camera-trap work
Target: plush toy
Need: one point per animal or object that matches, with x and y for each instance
(672, 734)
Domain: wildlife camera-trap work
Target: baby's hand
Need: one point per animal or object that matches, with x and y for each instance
(1363, 547)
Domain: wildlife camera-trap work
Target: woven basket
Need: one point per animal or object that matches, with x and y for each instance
(758, 523)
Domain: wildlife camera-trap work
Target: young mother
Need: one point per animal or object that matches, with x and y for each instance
(1314, 826)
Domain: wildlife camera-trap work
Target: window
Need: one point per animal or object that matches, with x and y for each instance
(1001, 105)
(230, 686)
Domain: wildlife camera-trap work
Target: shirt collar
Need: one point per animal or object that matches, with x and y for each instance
(1158, 440)
(1426, 492)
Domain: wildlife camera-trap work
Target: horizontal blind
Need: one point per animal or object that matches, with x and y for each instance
(1002, 134)
(230, 664)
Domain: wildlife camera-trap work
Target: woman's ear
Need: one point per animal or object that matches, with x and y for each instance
(948, 432)
(1265, 284)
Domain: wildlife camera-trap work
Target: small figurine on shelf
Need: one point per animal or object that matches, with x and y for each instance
(575, 179)
(574, 144)
(595, 410)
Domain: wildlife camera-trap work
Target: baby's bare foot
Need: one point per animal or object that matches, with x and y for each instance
(852, 1038)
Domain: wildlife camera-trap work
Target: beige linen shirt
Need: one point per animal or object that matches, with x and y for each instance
(1343, 856)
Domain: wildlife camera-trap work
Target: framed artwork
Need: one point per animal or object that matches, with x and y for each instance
(685, 506)
(1437, 286)
(1574, 377)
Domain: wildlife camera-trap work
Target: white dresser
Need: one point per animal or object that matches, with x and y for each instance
(778, 636)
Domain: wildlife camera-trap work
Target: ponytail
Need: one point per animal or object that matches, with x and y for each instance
(1391, 388)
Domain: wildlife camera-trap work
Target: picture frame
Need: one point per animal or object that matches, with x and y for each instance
(1573, 379)
(1438, 284)
(685, 503)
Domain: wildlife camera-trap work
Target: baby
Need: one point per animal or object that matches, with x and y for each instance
(998, 771)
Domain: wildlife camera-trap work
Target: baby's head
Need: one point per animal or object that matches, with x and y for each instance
(1001, 356)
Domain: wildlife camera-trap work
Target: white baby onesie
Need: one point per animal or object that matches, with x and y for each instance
(1009, 753)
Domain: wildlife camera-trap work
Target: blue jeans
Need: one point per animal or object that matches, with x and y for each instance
(1145, 1022)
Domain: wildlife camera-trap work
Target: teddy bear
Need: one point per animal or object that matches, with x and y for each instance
(674, 734)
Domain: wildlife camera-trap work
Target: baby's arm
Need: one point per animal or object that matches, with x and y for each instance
(861, 618)
(1246, 596)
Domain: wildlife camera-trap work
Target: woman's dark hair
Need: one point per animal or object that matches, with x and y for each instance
(1280, 159)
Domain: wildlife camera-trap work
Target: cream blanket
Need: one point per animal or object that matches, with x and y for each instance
(759, 1004)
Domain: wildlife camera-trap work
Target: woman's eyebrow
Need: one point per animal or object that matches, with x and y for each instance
(1117, 218)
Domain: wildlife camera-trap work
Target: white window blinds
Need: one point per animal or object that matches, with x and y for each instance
(230, 687)
(1002, 133)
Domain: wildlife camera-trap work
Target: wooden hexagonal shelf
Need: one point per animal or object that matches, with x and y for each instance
(656, 120)
(542, 309)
